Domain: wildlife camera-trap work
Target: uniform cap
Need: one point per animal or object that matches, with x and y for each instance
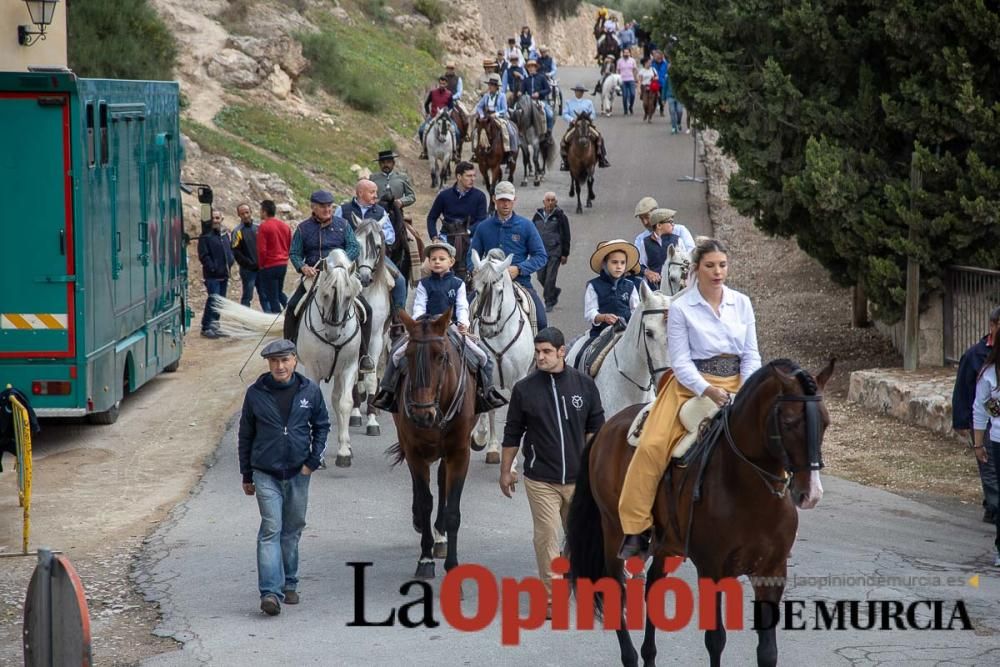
(504, 190)
(278, 348)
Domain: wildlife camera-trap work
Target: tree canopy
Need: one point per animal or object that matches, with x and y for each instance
(824, 104)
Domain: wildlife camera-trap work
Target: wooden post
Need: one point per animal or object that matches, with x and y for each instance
(911, 328)
(859, 312)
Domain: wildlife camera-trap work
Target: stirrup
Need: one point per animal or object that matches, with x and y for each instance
(383, 400)
(635, 546)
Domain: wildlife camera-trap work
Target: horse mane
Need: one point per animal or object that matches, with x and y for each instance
(765, 372)
(370, 240)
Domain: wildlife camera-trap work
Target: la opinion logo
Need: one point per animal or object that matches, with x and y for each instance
(505, 597)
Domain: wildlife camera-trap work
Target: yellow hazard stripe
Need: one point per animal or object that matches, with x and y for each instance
(30, 321)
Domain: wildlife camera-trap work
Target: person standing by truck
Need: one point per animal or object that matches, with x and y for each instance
(245, 253)
(216, 256)
(274, 238)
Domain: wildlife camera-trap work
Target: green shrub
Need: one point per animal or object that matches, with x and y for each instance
(427, 41)
(119, 40)
(329, 68)
(375, 10)
(432, 9)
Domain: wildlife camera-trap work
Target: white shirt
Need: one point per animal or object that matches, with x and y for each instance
(694, 331)
(387, 231)
(461, 304)
(986, 388)
(646, 75)
(686, 242)
(590, 309)
(685, 235)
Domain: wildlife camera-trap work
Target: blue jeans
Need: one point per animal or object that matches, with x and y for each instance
(676, 113)
(282, 506)
(993, 459)
(550, 121)
(398, 293)
(211, 315)
(250, 279)
(269, 284)
(628, 95)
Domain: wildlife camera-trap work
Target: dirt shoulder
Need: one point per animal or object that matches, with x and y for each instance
(804, 316)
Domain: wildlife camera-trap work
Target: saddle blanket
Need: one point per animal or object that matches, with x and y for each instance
(592, 356)
(693, 414)
(527, 305)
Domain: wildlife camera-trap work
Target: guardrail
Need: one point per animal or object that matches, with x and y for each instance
(970, 293)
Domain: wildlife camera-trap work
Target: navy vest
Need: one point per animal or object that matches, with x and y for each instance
(613, 298)
(656, 253)
(442, 292)
(317, 242)
(375, 212)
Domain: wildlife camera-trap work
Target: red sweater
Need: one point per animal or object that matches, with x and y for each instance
(273, 240)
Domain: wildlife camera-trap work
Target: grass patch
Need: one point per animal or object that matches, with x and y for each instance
(373, 67)
(427, 41)
(308, 145)
(432, 9)
(217, 143)
(375, 10)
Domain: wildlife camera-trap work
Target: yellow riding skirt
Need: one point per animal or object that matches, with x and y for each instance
(661, 433)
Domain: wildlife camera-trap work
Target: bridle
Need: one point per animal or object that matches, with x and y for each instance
(374, 246)
(685, 267)
(441, 420)
(442, 126)
(645, 343)
(775, 439)
(485, 302)
(329, 320)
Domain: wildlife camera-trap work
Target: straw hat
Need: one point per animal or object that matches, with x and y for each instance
(605, 248)
(645, 205)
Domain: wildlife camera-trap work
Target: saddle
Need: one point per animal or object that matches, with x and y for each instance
(696, 413)
(527, 304)
(597, 350)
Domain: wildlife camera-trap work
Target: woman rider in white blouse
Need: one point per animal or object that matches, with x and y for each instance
(986, 412)
(712, 337)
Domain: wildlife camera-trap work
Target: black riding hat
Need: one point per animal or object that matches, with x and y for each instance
(386, 155)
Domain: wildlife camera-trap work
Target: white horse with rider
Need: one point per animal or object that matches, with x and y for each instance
(329, 336)
(503, 328)
(440, 146)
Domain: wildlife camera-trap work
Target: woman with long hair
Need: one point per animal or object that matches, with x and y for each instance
(986, 412)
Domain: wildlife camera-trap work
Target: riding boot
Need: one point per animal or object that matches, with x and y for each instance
(635, 546)
(290, 328)
(423, 152)
(564, 164)
(385, 398)
(602, 156)
(396, 328)
(365, 364)
(487, 396)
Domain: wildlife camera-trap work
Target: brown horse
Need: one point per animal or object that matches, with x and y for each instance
(582, 159)
(649, 100)
(462, 123)
(459, 237)
(490, 154)
(729, 510)
(435, 420)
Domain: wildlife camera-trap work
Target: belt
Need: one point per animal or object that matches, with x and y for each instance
(725, 365)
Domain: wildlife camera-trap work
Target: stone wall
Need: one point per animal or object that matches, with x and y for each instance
(921, 397)
(930, 336)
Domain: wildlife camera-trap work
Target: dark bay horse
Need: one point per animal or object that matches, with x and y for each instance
(434, 423)
(459, 237)
(462, 123)
(649, 100)
(582, 159)
(490, 155)
(732, 510)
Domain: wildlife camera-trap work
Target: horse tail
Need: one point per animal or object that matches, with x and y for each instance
(548, 148)
(395, 453)
(242, 322)
(584, 536)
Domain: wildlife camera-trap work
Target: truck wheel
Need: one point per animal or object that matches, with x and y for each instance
(109, 416)
(172, 367)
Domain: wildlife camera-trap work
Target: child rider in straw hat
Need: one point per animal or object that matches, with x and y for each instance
(611, 296)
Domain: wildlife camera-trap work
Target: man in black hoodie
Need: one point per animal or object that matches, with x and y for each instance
(245, 252)
(556, 410)
(216, 258)
(282, 437)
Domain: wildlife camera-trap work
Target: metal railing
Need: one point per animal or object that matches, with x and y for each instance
(970, 293)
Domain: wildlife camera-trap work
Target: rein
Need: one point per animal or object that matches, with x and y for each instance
(497, 326)
(329, 321)
(649, 357)
(441, 420)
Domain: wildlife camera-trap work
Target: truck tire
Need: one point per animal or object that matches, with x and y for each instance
(109, 416)
(172, 367)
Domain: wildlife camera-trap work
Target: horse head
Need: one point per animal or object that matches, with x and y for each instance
(678, 265)
(492, 282)
(336, 289)
(442, 124)
(784, 404)
(647, 330)
(371, 258)
(433, 378)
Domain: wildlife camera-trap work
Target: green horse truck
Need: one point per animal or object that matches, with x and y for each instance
(93, 266)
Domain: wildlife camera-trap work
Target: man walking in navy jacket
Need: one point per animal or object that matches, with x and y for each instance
(216, 256)
(282, 437)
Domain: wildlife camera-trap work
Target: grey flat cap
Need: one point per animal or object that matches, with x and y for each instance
(278, 348)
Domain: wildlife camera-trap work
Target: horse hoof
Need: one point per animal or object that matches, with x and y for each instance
(537, 183)
(493, 458)
(440, 550)
(590, 205)
(424, 571)
(373, 429)
(355, 421)
(579, 209)
(342, 461)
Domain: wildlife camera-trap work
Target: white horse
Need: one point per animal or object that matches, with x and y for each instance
(612, 86)
(439, 142)
(329, 337)
(377, 282)
(632, 368)
(674, 276)
(504, 330)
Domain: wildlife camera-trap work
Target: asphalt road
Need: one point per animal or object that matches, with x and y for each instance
(200, 564)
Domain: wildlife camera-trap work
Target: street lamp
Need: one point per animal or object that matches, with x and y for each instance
(41, 12)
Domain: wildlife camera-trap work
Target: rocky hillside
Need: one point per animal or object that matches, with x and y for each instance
(284, 96)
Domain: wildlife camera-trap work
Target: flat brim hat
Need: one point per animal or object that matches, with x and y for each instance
(494, 80)
(489, 62)
(605, 248)
(504, 190)
(580, 87)
(386, 155)
(278, 348)
(321, 197)
(662, 215)
(440, 245)
(645, 205)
